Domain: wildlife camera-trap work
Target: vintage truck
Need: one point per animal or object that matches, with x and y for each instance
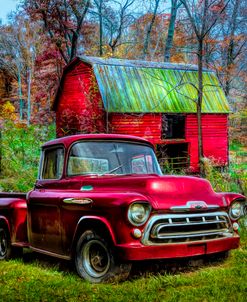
(102, 201)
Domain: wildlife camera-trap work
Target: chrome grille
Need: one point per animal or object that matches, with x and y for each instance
(181, 228)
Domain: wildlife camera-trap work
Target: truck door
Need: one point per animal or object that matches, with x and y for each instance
(44, 204)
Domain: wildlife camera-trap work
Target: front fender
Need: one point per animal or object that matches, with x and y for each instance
(91, 221)
(229, 198)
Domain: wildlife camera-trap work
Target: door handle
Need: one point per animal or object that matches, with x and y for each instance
(82, 201)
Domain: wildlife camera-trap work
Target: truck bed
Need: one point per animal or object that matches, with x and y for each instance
(13, 195)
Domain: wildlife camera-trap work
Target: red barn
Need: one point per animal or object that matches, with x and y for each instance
(148, 99)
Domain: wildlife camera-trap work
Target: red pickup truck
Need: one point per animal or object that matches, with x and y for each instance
(102, 201)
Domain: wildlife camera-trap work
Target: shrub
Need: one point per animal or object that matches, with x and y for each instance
(20, 151)
(232, 179)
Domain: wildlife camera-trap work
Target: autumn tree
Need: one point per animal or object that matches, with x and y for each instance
(150, 25)
(203, 16)
(232, 45)
(100, 11)
(12, 58)
(30, 65)
(138, 33)
(175, 4)
(117, 21)
(62, 22)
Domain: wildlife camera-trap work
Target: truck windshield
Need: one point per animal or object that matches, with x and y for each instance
(111, 157)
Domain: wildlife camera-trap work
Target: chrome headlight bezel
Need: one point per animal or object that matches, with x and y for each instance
(236, 210)
(138, 213)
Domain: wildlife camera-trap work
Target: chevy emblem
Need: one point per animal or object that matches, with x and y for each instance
(197, 205)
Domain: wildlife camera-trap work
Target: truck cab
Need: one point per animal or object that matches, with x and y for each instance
(102, 201)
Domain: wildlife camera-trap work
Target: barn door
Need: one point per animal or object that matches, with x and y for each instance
(173, 157)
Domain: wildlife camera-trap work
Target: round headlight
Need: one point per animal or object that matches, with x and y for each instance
(138, 213)
(236, 210)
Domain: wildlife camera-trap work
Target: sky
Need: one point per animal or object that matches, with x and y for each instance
(6, 6)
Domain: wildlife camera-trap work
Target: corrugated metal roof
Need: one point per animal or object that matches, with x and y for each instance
(139, 86)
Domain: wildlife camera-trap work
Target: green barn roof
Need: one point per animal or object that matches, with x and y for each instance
(142, 87)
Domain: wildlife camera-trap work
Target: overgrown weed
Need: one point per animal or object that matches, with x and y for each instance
(20, 152)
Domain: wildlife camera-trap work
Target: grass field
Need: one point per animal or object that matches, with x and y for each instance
(38, 278)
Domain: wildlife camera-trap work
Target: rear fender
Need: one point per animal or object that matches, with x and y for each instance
(15, 218)
(4, 222)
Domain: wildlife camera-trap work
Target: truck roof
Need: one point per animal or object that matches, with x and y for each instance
(68, 140)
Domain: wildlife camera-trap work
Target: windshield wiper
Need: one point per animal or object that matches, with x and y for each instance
(112, 170)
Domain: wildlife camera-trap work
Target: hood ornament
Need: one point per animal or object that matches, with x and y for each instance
(198, 205)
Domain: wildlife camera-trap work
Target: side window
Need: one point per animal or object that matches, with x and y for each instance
(53, 160)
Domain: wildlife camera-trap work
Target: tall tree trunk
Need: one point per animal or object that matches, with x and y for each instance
(100, 29)
(76, 33)
(230, 50)
(149, 30)
(20, 91)
(199, 106)
(29, 95)
(171, 29)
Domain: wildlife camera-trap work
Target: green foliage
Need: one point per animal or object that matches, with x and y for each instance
(233, 179)
(32, 279)
(20, 150)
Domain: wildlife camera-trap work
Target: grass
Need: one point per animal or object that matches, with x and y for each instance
(37, 278)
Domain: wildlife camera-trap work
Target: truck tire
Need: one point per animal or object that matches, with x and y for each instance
(5, 245)
(95, 262)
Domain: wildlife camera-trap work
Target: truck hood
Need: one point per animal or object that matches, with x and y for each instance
(163, 192)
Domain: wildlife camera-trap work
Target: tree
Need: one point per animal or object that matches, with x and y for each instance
(11, 59)
(62, 22)
(232, 44)
(23, 54)
(18, 44)
(203, 16)
(175, 4)
(100, 12)
(138, 33)
(149, 28)
(117, 21)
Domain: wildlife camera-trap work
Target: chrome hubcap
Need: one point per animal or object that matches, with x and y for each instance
(3, 243)
(96, 259)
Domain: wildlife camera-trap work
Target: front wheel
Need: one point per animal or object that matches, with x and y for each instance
(95, 262)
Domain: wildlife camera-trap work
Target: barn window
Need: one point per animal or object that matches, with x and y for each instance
(173, 126)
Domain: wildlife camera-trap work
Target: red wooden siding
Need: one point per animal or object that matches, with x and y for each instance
(80, 106)
(215, 138)
(145, 125)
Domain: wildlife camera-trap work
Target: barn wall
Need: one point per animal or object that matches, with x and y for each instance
(215, 138)
(214, 128)
(145, 125)
(79, 107)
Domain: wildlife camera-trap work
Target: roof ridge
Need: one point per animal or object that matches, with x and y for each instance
(139, 63)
